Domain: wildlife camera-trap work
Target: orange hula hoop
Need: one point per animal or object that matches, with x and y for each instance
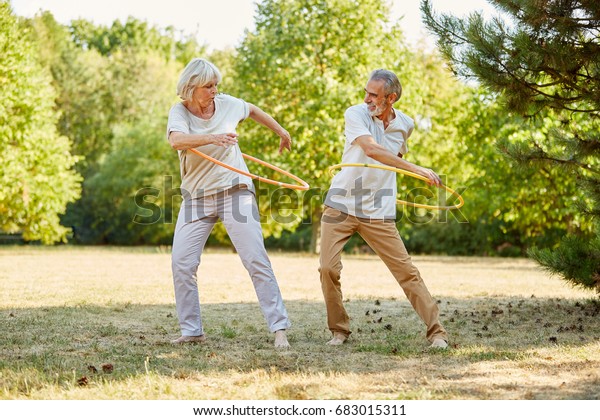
(412, 174)
(302, 187)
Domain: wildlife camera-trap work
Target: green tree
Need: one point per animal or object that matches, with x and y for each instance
(545, 58)
(37, 179)
(116, 84)
(509, 207)
(104, 76)
(133, 192)
(141, 92)
(136, 35)
(305, 63)
(83, 89)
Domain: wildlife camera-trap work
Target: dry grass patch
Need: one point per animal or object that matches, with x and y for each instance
(66, 312)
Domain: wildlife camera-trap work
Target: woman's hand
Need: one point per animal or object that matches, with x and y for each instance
(286, 141)
(224, 140)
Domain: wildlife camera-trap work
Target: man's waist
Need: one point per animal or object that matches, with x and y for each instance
(362, 210)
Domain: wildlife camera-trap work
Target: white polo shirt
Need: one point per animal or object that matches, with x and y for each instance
(199, 176)
(368, 192)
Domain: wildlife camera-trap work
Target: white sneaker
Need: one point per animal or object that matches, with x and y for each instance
(439, 343)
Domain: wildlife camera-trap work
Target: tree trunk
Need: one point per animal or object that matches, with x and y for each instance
(315, 237)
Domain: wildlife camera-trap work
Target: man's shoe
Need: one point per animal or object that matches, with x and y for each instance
(189, 339)
(439, 343)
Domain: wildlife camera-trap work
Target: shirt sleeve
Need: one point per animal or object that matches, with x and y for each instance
(235, 107)
(178, 121)
(245, 109)
(355, 125)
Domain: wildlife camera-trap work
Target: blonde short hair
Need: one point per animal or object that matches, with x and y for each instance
(198, 72)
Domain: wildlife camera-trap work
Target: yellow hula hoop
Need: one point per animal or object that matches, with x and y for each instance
(302, 187)
(412, 174)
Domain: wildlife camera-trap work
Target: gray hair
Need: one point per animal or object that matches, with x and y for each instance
(392, 84)
(198, 72)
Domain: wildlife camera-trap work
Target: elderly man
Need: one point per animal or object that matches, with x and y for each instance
(363, 200)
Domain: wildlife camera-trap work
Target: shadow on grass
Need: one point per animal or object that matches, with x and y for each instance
(64, 345)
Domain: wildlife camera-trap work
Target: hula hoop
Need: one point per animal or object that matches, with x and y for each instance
(302, 187)
(412, 174)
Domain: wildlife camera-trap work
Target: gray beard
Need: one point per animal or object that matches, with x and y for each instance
(376, 112)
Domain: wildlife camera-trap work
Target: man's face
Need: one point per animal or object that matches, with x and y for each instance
(375, 97)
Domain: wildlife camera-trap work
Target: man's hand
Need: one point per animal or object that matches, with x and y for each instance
(431, 175)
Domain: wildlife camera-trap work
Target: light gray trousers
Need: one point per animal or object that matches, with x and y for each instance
(238, 210)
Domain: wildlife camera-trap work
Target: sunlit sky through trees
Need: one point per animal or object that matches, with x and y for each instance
(217, 24)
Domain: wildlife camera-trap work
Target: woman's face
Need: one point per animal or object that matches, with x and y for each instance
(206, 93)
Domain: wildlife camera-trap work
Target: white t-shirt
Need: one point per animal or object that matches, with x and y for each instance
(201, 177)
(368, 192)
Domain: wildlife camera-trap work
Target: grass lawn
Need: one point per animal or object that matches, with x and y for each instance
(95, 323)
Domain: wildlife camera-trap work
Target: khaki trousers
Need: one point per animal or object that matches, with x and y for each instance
(336, 229)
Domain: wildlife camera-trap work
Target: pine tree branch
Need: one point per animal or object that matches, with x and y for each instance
(543, 156)
(584, 111)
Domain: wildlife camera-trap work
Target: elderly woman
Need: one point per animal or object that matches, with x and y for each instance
(207, 121)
